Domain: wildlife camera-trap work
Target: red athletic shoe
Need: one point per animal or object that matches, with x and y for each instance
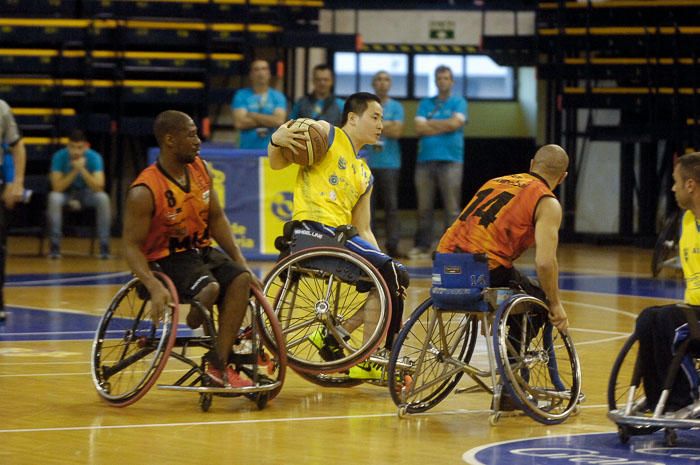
(233, 378)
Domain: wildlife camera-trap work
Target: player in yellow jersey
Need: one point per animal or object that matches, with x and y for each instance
(656, 326)
(335, 192)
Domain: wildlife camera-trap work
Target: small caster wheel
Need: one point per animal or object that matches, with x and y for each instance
(403, 411)
(493, 418)
(205, 401)
(261, 400)
(670, 437)
(623, 433)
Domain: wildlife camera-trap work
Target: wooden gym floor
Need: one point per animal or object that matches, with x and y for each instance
(52, 414)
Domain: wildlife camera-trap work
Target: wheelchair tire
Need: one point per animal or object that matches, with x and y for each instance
(263, 362)
(129, 351)
(666, 246)
(318, 289)
(434, 347)
(621, 380)
(544, 379)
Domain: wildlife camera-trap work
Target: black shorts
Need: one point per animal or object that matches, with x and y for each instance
(192, 270)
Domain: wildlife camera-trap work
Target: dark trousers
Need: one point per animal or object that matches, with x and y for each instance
(655, 328)
(510, 277)
(386, 190)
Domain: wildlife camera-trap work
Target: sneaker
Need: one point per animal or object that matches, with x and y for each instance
(418, 253)
(507, 403)
(327, 346)
(54, 251)
(104, 252)
(233, 379)
(366, 370)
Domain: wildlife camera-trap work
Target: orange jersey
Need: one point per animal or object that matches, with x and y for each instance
(180, 218)
(499, 220)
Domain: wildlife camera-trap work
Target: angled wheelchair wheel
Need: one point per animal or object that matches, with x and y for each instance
(624, 377)
(130, 350)
(538, 365)
(428, 356)
(263, 362)
(324, 298)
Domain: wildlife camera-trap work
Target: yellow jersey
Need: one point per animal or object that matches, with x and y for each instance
(328, 190)
(689, 249)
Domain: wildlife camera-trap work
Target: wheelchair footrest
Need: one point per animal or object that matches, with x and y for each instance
(222, 389)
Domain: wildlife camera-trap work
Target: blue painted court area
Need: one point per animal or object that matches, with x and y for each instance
(597, 448)
(30, 324)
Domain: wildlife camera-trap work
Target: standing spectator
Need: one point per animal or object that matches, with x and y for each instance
(258, 109)
(321, 103)
(77, 180)
(439, 123)
(385, 162)
(13, 190)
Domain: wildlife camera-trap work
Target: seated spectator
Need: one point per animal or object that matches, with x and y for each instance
(77, 180)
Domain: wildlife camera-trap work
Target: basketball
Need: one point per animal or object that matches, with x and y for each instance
(316, 147)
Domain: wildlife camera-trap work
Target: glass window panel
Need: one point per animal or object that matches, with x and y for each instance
(424, 73)
(487, 80)
(396, 64)
(345, 68)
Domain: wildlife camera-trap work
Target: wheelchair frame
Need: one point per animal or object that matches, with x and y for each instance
(435, 346)
(627, 400)
(141, 350)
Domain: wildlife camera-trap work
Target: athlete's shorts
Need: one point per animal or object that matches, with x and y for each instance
(193, 269)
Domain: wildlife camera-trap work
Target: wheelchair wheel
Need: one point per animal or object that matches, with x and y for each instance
(319, 292)
(262, 362)
(130, 350)
(428, 356)
(622, 379)
(538, 365)
(666, 247)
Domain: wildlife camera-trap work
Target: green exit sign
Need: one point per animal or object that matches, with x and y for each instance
(442, 30)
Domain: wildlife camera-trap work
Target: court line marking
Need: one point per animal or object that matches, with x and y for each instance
(244, 422)
(470, 455)
(77, 279)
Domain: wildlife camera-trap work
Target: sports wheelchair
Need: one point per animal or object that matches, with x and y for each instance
(535, 363)
(322, 288)
(627, 402)
(131, 348)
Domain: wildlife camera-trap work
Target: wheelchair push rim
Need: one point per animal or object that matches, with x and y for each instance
(129, 351)
(539, 366)
(307, 298)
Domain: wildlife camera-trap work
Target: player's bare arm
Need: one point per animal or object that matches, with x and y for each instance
(362, 216)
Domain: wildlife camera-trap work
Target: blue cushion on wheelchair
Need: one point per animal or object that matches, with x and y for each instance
(458, 281)
(469, 299)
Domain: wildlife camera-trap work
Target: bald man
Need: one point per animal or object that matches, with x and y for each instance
(506, 216)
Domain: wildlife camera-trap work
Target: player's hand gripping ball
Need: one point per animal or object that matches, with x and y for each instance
(315, 147)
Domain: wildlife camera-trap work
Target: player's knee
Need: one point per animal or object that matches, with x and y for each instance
(209, 293)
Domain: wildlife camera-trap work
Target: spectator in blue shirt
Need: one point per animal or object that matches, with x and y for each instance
(258, 110)
(440, 125)
(78, 180)
(385, 161)
(321, 103)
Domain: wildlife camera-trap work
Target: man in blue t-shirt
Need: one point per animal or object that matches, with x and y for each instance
(321, 103)
(78, 180)
(440, 124)
(385, 161)
(258, 110)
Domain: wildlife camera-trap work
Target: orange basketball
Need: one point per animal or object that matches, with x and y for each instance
(315, 148)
